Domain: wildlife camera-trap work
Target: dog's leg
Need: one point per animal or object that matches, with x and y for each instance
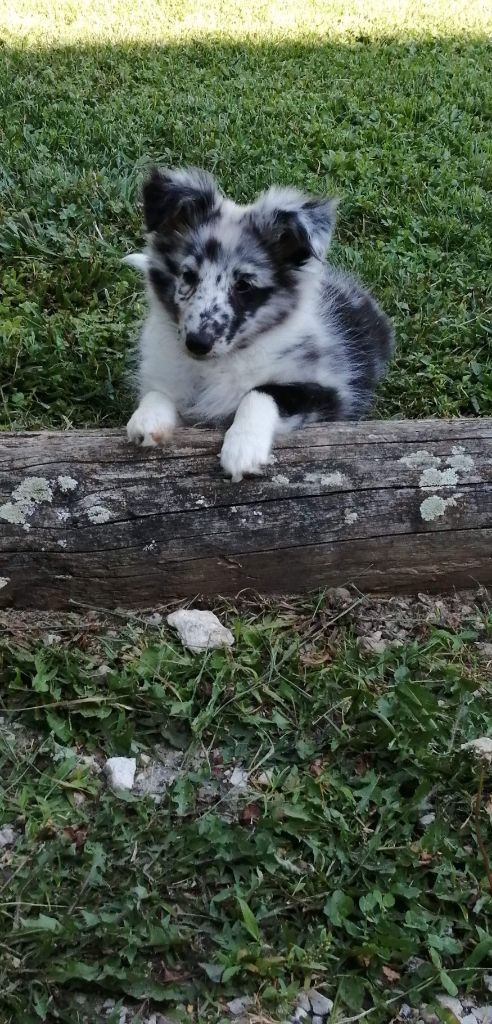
(247, 446)
(153, 421)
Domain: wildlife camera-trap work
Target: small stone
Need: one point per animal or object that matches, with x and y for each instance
(303, 1002)
(406, 1012)
(8, 836)
(200, 630)
(121, 772)
(145, 759)
(469, 1018)
(483, 1014)
(239, 1005)
(321, 1006)
(155, 619)
(450, 1003)
(341, 594)
(487, 980)
(318, 1020)
(238, 778)
(265, 778)
(300, 1014)
(373, 644)
(481, 748)
(427, 819)
(485, 651)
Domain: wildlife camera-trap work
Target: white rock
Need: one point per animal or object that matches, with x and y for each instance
(303, 1002)
(481, 748)
(406, 1012)
(372, 644)
(469, 1019)
(450, 1003)
(239, 1005)
(8, 836)
(265, 778)
(199, 630)
(483, 1014)
(427, 819)
(121, 772)
(321, 1006)
(300, 1014)
(318, 1020)
(238, 778)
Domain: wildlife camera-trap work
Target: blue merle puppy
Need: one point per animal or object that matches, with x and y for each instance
(248, 325)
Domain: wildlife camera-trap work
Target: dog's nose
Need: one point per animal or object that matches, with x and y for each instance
(199, 344)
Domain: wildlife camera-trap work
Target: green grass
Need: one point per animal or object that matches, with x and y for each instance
(328, 877)
(389, 109)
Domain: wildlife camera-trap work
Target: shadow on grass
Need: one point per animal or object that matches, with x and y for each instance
(398, 129)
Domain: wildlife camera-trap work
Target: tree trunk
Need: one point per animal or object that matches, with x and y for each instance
(387, 506)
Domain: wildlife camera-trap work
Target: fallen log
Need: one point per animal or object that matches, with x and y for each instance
(389, 506)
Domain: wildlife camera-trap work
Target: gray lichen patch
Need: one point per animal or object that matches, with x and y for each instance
(335, 479)
(13, 512)
(350, 517)
(98, 514)
(67, 483)
(62, 543)
(420, 460)
(459, 459)
(433, 477)
(34, 490)
(435, 506)
(4, 581)
(280, 479)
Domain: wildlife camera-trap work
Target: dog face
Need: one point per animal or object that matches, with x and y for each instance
(227, 273)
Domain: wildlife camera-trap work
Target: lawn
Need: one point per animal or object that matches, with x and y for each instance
(388, 109)
(351, 856)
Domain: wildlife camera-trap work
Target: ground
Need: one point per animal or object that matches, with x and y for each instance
(303, 811)
(304, 814)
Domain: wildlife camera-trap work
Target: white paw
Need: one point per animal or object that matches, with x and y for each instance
(244, 453)
(152, 423)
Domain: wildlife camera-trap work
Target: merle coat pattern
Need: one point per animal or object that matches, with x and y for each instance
(248, 325)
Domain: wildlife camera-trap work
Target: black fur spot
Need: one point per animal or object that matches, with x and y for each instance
(305, 400)
(213, 249)
(245, 305)
(163, 286)
(173, 202)
(367, 335)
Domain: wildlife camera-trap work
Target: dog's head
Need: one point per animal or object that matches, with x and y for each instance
(227, 273)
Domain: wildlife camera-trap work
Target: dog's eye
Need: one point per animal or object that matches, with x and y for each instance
(244, 285)
(190, 278)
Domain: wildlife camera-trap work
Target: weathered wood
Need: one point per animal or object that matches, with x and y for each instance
(86, 517)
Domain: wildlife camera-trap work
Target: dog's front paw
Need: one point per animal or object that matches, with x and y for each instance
(152, 424)
(244, 453)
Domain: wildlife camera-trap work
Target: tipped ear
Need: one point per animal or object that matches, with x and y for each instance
(138, 260)
(177, 200)
(295, 227)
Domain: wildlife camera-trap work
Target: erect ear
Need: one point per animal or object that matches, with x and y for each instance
(177, 200)
(294, 226)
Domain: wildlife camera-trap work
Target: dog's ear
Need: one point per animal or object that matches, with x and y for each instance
(294, 226)
(177, 200)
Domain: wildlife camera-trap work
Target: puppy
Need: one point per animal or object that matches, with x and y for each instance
(248, 326)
